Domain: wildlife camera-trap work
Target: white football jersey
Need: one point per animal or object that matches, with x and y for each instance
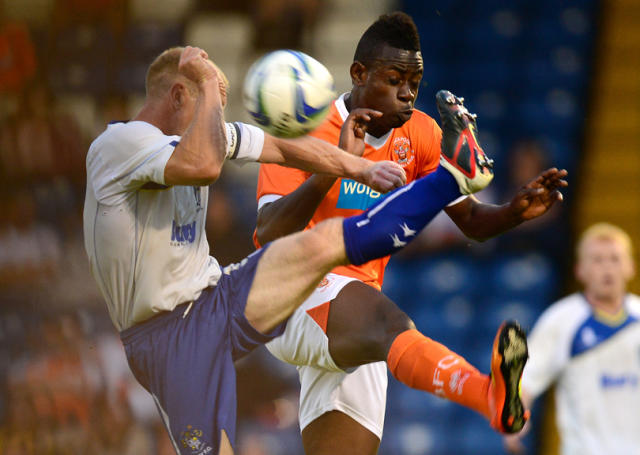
(146, 242)
(595, 363)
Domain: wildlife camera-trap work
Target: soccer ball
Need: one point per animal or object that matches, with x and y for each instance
(288, 93)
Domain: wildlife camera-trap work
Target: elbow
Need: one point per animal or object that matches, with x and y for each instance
(260, 240)
(208, 173)
(262, 232)
(212, 174)
(180, 172)
(474, 234)
(477, 237)
(266, 231)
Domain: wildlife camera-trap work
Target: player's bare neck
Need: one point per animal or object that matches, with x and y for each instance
(153, 114)
(608, 305)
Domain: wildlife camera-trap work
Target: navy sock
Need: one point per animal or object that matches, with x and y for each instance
(393, 222)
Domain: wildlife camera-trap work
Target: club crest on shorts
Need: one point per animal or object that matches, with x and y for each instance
(191, 439)
(324, 283)
(402, 150)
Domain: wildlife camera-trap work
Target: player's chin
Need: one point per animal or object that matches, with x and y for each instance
(402, 117)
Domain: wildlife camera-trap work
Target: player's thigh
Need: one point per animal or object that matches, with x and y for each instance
(225, 444)
(289, 271)
(335, 432)
(359, 394)
(362, 324)
(304, 341)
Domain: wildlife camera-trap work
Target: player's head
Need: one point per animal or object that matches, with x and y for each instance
(604, 261)
(165, 83)
(387, 70)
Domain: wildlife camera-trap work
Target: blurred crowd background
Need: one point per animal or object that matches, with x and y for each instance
(554, 82)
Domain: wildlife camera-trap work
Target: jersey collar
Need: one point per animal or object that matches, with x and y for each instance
(375, 142)
(612, 320)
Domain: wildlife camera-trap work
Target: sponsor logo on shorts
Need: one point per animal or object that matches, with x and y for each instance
(191, 439)
(402, 150)
(324, 283)
(358, 196)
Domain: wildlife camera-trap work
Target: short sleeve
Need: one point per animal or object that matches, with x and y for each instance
(274, 179)
(147, 165)
(430, 136)
(126, 157)
(244, 142)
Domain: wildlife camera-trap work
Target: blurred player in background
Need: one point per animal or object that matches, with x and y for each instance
(348, 322)
(588, 344)
(182, 318)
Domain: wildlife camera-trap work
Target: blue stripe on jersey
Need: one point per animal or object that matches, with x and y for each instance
(592, 332)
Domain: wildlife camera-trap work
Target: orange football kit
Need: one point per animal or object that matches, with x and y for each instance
(413, 359)
(415, 146)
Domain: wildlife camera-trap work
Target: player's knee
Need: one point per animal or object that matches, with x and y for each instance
(324, 242)
(394, 326)
(390, 322)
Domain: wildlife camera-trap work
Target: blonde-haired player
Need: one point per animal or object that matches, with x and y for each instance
(588, 344)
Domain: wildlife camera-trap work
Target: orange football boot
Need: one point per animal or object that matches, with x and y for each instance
(508, 359)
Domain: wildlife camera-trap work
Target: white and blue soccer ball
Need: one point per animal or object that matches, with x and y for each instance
(288, 93)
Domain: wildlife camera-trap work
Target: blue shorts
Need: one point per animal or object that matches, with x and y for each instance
(186, 362)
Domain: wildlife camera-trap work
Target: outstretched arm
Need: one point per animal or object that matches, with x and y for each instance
(292, 212)
(481, 221)
(317, 156)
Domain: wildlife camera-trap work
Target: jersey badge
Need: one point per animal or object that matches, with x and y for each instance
(191, 439)
(403, 152)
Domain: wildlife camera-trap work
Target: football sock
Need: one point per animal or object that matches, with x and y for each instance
(424, 364)
(396, 220)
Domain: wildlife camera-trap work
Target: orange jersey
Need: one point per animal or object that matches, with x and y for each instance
(415, 146)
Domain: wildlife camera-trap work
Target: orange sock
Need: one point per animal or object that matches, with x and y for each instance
(424, 364)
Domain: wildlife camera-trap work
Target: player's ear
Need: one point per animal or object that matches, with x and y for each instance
(176, 97)
(358, 73)
(178, 92)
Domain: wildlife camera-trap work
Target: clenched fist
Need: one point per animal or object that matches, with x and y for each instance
(384, 176)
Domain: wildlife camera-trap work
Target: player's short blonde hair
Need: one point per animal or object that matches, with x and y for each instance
(163, 72)
(605, 231)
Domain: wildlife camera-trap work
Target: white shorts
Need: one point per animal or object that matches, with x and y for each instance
(360, 393)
